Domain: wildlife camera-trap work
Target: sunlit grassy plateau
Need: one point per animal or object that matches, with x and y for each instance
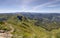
(33, 26)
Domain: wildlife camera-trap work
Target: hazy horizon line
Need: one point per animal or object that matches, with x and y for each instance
(29, 12)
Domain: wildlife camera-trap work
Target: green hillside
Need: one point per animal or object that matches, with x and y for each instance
(26, 28)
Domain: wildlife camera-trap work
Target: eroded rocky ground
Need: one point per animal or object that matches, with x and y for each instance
(5, 35)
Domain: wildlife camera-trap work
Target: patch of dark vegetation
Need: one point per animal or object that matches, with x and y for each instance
(2, 19)
(25, 24)
(20, 17)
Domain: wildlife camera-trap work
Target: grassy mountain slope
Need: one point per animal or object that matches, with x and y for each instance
(25, 27)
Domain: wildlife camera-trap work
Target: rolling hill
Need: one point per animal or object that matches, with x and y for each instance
(31, 25)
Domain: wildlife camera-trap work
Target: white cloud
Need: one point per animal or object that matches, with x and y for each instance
(25, 2)
(45, 4)
(8, 11)
(53, 5)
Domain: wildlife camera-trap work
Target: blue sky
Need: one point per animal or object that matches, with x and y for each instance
(43, 6)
